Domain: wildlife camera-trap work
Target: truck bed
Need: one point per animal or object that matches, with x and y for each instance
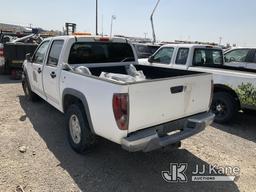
(165, 95)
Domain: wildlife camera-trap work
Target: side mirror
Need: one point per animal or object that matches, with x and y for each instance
(28, 57)
(150, 59)
(67, 67)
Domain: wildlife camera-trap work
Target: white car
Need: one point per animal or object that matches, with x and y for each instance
(97, 84)
(241, 57)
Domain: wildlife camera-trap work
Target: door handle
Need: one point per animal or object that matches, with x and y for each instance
(39, 70)
(177, 89)
(53, 74)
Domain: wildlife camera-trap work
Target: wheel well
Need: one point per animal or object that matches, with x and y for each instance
(69, 100)
(230, 91)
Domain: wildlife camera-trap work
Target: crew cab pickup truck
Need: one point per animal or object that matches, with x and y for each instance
(99, 86)
(234, 88)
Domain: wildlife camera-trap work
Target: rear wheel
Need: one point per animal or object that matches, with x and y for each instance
(27, 90)
(224, 107)
(80, 136)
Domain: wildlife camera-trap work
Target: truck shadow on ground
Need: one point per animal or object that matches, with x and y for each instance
(244, 126)
(110, 168)
(5, 79)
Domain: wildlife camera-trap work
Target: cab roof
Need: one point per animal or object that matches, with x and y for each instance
(91, 38)
(192, 46)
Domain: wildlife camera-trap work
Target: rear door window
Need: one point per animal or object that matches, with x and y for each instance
(182, 56)
(204, 57)
(100, 52)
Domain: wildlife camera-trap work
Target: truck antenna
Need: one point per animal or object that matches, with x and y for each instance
(152, 22)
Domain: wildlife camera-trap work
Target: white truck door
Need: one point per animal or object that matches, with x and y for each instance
(37, 65)
(51, 74)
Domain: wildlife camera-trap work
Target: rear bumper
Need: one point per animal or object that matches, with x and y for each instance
(166, 134)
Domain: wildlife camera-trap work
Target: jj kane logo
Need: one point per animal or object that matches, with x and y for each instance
(177, 173)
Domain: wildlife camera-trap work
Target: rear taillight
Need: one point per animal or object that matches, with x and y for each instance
(1, 52)
(121, 110)
(212, 92)
(104, 39)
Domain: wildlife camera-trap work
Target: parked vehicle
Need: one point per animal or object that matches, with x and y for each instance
(102, 91)
(145, 50)
(241, 58)
(234, 88)
(13, 51)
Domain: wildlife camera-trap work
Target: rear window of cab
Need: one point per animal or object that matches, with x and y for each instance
(100, 52)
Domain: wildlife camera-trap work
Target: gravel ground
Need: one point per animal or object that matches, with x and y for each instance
(48, 164)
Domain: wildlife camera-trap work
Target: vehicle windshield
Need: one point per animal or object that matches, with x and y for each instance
(207, 56)
(100, 52)
(144, 51)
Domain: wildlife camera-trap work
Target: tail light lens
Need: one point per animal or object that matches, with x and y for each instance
(121, 110)
(1, 52)
(212, 92)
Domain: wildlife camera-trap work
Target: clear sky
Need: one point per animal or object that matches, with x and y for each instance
(202, 20)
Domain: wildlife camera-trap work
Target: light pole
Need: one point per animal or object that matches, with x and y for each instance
(152, 22)
(145, 35)
(96, 17)
(113, 17)
(220, 40)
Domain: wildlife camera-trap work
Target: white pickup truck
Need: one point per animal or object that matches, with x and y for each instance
(234, 88)
(97, 84)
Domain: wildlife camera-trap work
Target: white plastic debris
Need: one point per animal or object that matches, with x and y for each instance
(132, 75)
(132, 71)
(118, 77)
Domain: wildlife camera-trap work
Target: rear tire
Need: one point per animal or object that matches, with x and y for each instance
(79, 135)
(224, 106)
(27, 90)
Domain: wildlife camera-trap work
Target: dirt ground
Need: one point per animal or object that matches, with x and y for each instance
(48, 163)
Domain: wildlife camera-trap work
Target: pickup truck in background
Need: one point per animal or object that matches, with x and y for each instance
(234, 88)
(99, 86)
(145, 50)
(241, 57)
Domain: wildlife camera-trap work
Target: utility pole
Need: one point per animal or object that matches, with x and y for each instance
(102, 25)
(96, 17)
(145, 35)
(220, 40)
(152, 22)
(113, 17)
